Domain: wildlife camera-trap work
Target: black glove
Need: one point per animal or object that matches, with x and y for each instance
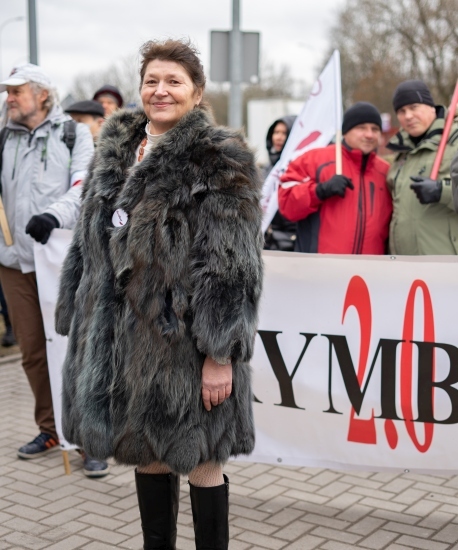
(426, 189)
(40, 227)
(337, 185)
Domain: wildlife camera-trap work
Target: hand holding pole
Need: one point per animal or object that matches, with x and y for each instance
(445, 135)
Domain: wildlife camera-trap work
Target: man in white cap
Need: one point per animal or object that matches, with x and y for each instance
(43, 162)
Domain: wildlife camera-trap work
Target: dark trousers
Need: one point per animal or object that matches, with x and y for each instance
(4, 307)
(21, 293)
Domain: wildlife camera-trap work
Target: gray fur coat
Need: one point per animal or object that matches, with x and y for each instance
(143, 304)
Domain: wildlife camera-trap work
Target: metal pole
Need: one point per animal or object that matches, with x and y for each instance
(33, 42)
(235, 68)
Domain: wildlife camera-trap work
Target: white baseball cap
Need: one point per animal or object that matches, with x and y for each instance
(27, 72)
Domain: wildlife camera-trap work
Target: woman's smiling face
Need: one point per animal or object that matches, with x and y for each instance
(167, 94)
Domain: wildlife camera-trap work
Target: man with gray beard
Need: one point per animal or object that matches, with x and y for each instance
(44, 157)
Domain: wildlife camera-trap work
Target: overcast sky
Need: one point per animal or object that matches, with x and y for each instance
(78, 36)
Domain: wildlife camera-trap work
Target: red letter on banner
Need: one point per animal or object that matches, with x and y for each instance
(407, 357)
(359, 430)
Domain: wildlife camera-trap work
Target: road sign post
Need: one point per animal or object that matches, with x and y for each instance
(234, 58)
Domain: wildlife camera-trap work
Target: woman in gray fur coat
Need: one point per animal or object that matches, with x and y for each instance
(159, 296)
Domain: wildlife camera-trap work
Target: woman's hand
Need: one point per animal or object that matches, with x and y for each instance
(216, 382)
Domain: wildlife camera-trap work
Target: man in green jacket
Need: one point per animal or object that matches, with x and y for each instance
(424, 220)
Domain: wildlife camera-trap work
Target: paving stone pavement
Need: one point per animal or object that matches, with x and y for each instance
(271, 507)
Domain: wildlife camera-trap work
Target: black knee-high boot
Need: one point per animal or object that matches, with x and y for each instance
(210, 513)
(158, 498)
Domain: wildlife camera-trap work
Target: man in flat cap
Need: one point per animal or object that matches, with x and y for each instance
(424, 220)
(88, 112)
(110, 98)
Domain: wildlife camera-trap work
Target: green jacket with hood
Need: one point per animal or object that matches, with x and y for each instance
(416, 228)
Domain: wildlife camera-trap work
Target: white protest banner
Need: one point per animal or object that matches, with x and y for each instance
(48, 263)
(356, 362)
(315, 126)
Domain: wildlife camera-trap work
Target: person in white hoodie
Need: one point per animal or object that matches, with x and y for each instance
(43, 162)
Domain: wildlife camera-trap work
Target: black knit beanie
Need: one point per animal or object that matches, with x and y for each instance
(412, 91)
(360, 113)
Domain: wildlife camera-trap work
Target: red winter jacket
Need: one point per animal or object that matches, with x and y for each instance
(355, 224)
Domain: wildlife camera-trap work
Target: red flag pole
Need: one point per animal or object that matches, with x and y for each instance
(445, 135)
(338, 107)
(339, 152)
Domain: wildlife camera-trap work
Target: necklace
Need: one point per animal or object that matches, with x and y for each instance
(141, 151)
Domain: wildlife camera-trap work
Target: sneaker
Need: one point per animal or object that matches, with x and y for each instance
(93, 467)
(8, 339)
(38, 447)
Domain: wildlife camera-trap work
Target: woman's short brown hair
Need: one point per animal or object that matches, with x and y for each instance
(179, 51)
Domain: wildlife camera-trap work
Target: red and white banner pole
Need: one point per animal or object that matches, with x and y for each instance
(443, 142)
(338, 99)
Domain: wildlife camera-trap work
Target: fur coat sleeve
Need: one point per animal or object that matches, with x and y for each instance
(226, 271)
(71, 274)
(72, 269)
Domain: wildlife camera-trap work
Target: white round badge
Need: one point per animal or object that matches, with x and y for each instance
(119, 218)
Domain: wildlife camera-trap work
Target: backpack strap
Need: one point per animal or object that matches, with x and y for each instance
(69, 136)
(4, 133)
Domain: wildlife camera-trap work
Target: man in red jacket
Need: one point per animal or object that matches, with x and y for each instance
(347, 214)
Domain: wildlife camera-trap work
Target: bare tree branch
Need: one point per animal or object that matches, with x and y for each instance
(124, 75)
(383, 42)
